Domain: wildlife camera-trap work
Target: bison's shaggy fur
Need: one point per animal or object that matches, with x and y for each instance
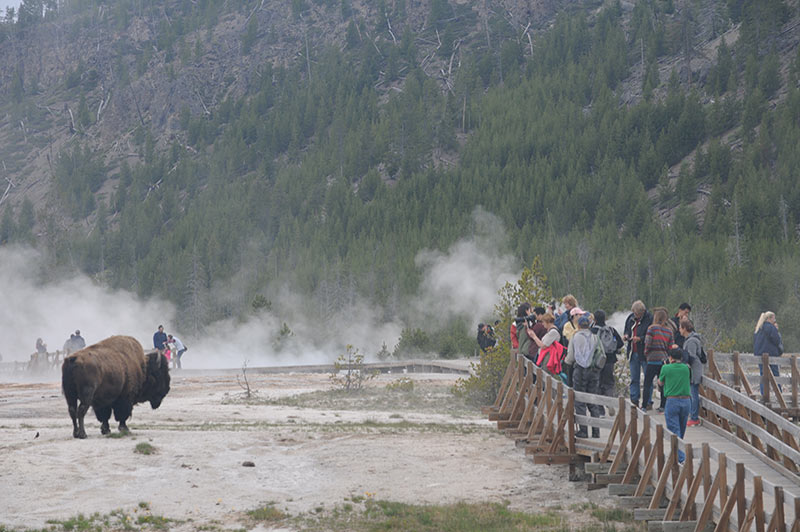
(114, 374)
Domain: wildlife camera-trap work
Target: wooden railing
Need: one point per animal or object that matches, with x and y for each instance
(637, 458)
(741, 372)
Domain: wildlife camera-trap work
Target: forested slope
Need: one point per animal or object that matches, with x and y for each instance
(324, 144)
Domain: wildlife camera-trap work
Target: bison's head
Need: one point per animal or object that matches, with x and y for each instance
(157, 382)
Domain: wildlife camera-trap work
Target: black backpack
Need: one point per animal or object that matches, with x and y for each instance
(703, 357)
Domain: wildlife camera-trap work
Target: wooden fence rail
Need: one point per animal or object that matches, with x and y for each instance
(638, 459)
(743, 372)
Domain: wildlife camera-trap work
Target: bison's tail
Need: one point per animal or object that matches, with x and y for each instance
(68, 378)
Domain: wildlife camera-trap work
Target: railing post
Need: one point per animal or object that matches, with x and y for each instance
(571, 424)
(764, 379)
(758, 501)
(795, 382)
(706, 470)
(741, 505)
(737, 370)
(778, 519)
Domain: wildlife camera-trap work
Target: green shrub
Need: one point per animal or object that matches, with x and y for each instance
(144, 448)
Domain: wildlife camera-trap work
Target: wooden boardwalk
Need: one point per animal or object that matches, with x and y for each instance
(741, 466)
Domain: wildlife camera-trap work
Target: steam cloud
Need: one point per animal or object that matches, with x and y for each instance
(462, 281)
(34, 307)
(465, 280)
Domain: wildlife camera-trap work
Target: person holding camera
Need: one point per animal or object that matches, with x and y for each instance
(675, 377)
(524, 331)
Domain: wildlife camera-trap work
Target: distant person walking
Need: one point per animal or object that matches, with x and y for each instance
(160, 340)
(767, 339)
(78, 341)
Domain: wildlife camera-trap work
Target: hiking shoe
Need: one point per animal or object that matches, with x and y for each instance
(692, 422)
(660, 410)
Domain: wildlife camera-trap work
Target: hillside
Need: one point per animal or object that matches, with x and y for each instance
(214, 151)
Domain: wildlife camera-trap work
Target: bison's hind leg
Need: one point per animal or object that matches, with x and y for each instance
(122, 411)
(72, 407)
(103, 414)
(85, 395)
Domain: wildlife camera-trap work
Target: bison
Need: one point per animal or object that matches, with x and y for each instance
(113, 374)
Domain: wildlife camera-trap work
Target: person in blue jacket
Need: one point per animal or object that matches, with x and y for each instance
(767, 339)
(160, 340)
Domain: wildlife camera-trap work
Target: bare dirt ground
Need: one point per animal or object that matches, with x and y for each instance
(311, 449)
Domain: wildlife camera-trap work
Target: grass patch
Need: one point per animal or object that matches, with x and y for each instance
(144, 448)
(370, 515)
(463, 517)
(267, 514)
(115, 520)
(119, 435)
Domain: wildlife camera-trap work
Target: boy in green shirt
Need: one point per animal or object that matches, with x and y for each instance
(675, 378)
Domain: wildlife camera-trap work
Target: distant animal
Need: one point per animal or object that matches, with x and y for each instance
(112, 375)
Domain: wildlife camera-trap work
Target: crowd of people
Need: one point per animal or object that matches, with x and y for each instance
(663, 352)
(170, 346)
(581, 348)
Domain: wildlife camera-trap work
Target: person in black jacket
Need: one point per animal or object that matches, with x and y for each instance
(683, 313)
(635, 330)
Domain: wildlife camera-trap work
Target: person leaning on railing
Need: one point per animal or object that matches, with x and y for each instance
(767, 339)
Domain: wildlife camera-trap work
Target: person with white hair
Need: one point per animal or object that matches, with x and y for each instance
(634, 334)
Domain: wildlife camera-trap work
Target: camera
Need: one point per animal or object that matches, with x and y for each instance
(525, 320)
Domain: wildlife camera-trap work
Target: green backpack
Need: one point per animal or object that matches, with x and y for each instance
(599, 356)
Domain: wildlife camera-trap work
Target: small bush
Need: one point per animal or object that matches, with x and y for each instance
(144, 448)
(483, 385)
(349, 373)
(268, 514)
(403, 384)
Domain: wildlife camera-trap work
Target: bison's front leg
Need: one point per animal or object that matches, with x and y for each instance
(103, 415)
(122, 411)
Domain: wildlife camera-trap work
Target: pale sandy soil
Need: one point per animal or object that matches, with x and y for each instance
(305, 458)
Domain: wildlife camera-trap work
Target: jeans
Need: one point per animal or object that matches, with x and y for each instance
(652, 371)
(695, 413)
(676, 414)
(180, 354)
(774, 368)
(637, 367)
